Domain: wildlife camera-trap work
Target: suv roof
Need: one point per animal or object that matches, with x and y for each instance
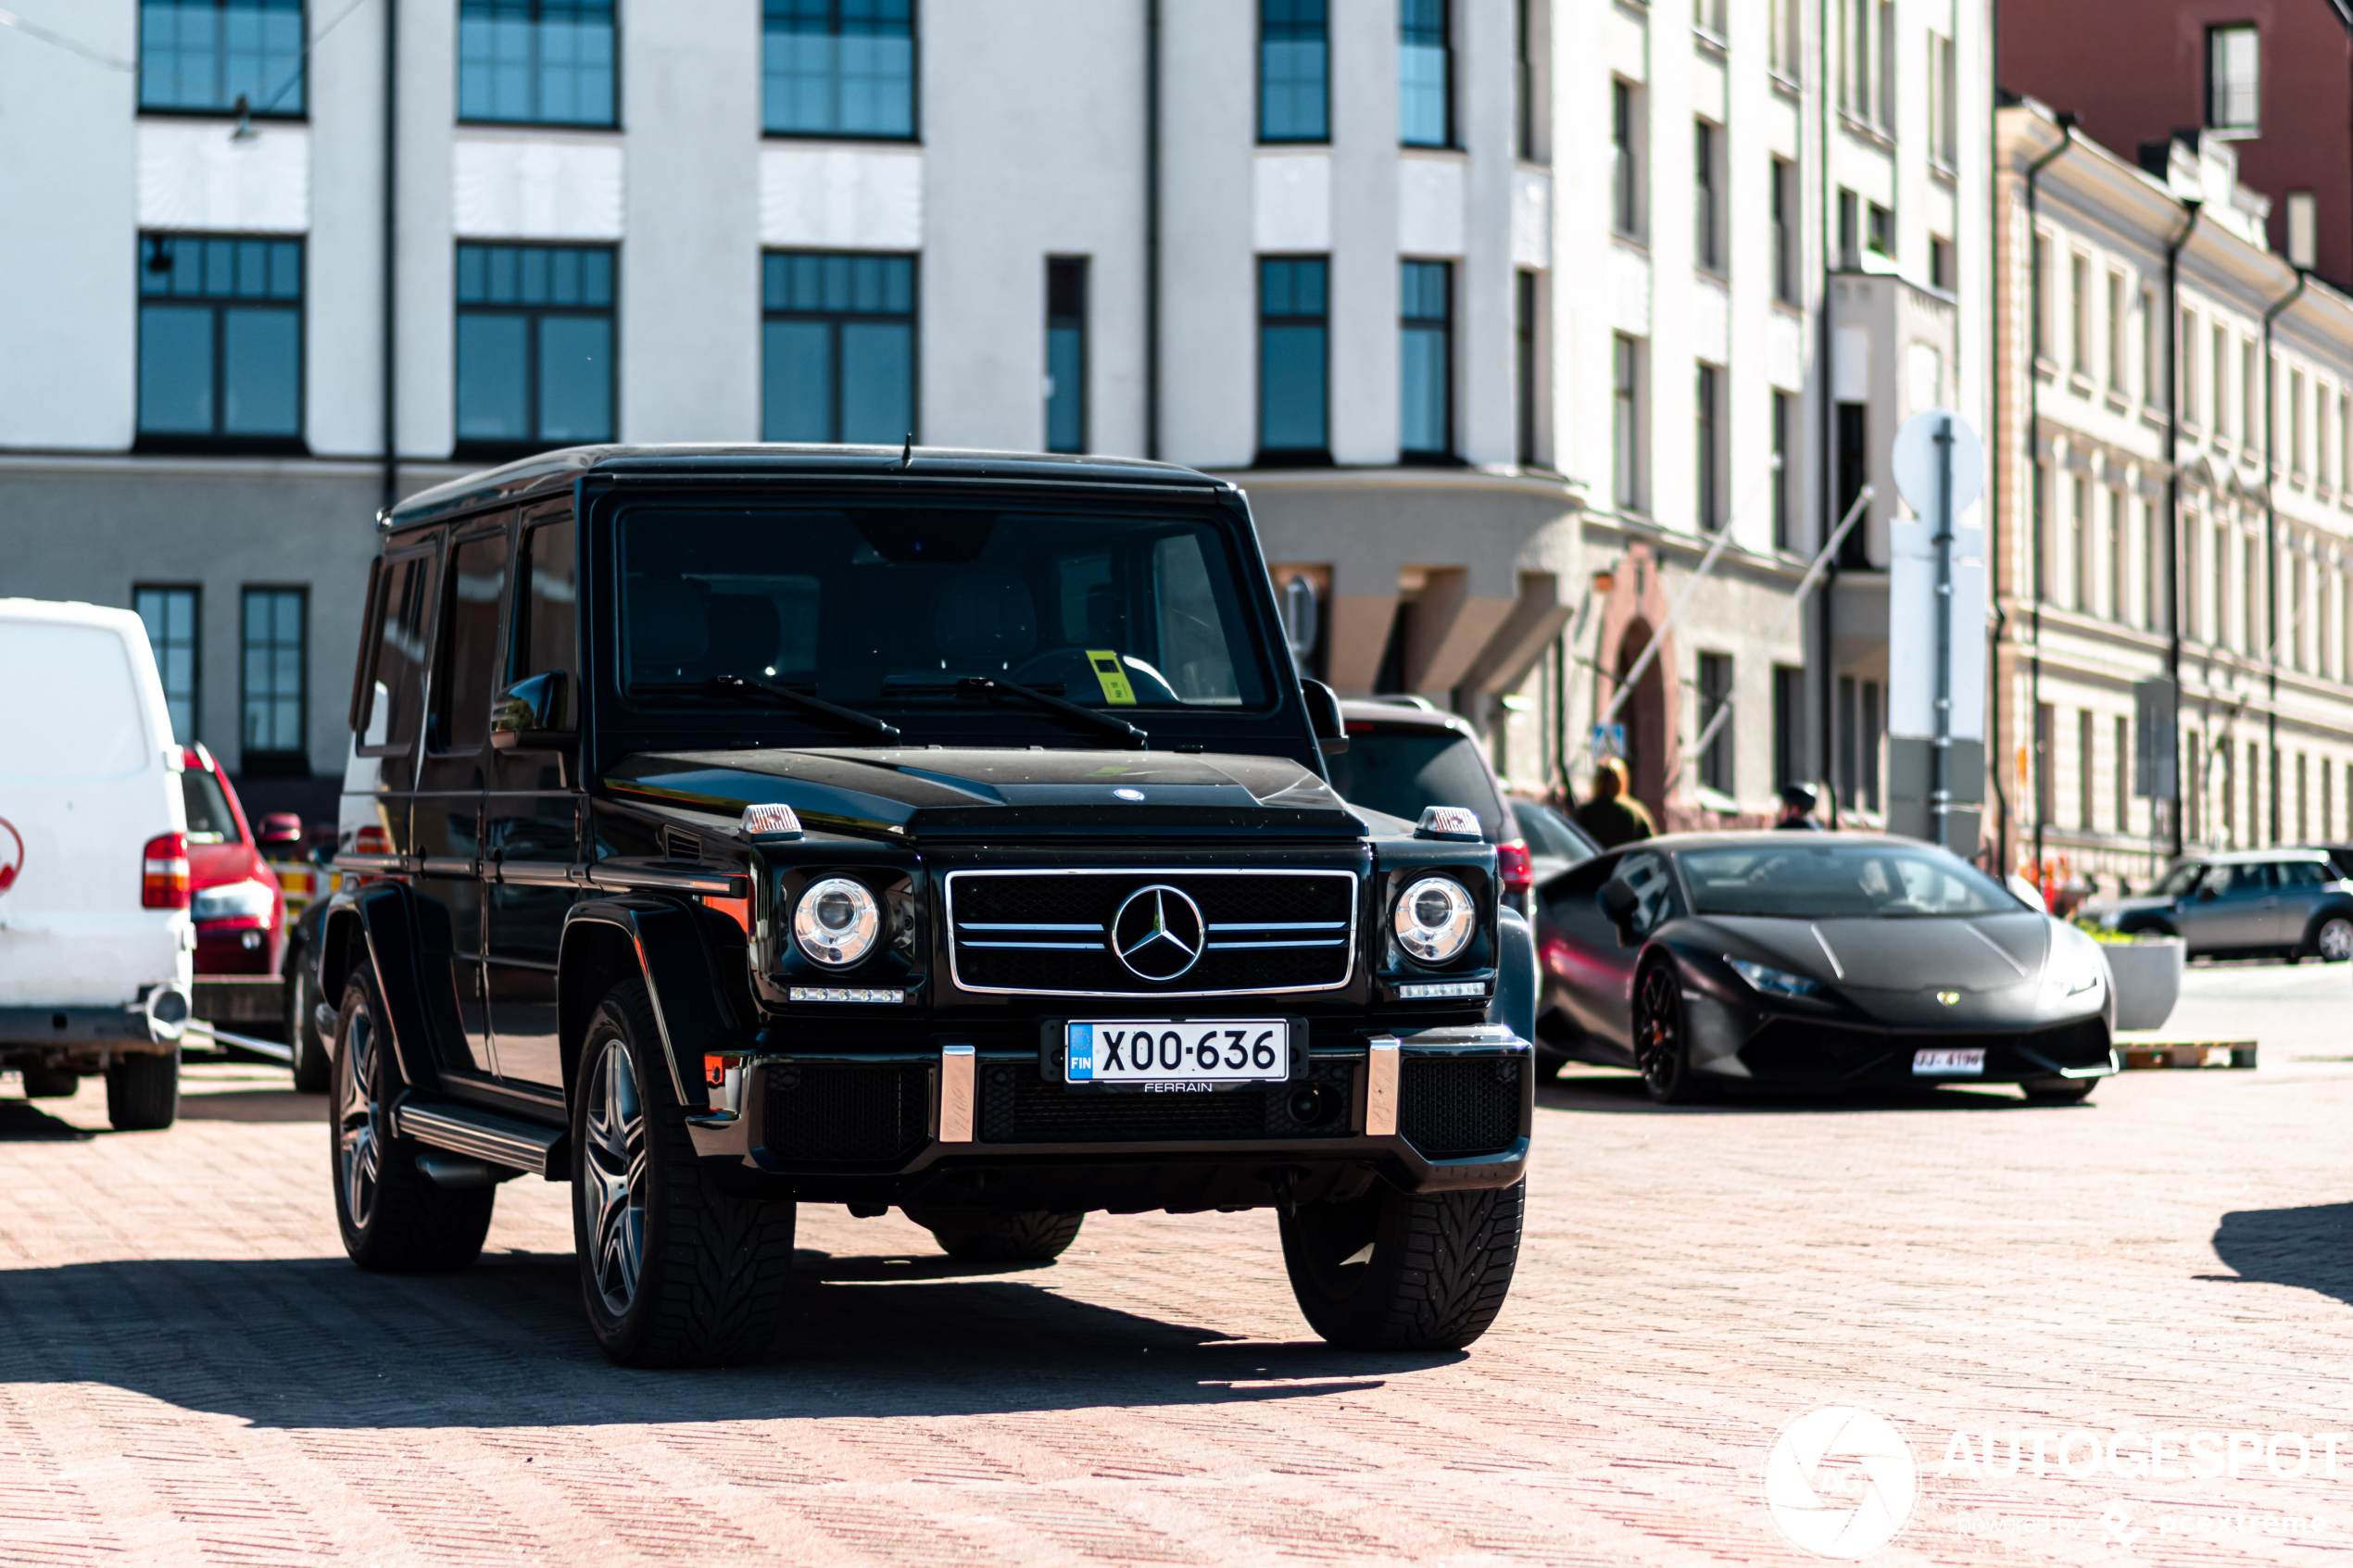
(550, 472)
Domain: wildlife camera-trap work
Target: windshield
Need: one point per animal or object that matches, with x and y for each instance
(2180, 880)
(902, 607)
(1402, 770)
(210, 819)
(1549, 836)
(1835, 881)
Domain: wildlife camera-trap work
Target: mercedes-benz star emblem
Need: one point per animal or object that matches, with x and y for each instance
(1157, 932)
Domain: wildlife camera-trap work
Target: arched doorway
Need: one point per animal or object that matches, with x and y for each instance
(1648, 740)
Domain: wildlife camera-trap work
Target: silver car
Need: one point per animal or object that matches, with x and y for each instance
(2251, 902)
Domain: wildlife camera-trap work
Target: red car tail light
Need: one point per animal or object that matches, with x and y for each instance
(1513, 864)
(163, 872)
(372, 840)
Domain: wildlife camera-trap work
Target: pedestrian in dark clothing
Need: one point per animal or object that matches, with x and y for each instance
(1797, 809)
(1613, 816)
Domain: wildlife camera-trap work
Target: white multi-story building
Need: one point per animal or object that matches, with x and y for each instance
(1311, 245)
(2193, 526)
(1772, 220)
(1321, 263)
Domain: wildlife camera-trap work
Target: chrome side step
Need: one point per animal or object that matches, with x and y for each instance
(482, 1135)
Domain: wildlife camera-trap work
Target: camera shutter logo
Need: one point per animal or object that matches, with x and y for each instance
(1158, 933)
(1840, 1482)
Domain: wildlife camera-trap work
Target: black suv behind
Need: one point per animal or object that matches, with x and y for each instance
(765, 825)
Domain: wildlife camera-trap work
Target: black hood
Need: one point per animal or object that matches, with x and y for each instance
(1895, 968)
(917, 792)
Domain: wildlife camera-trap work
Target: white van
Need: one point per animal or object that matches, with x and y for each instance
(95, 940)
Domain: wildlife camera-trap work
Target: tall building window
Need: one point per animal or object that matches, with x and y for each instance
(1424, 415)
(1528, 80)
(1528, 364)
(1789, 53)
(1789, 724)
(837, 67)
(1425, 74)
(2078, 315)
(1294, 71)
(1706, 201)
(1854, 473)
(2221, 413)
(2156, 603)
(1625, 162)
(1294, 356)
(220, 342)
(2113, 540)
(2078, 565)
(1880, 240)
(2123, 774)
(2251, 393)
(1944, 106)
(1707, 446)
(1940, 270)
(200, 55)
(2116, 333)
(1626, 419)
(2234, 78)
(1783, 193)
(1784, 446)
(1715, 695)
(538, 62)
(170, 617)
(1850, 232)
(2152, 358)
(2085, 770)
(273, 640)
(1707, 16)
(1066, 354)
(838, 347)
(2046, 762)
(535, 346)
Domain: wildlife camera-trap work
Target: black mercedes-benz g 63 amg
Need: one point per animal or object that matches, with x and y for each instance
(754, 826)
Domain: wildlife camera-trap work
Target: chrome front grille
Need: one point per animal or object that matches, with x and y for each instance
(1052, 933)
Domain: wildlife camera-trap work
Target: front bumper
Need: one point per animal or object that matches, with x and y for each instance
(963, 1126)
(1789, 1051)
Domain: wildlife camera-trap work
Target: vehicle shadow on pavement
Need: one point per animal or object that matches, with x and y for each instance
(22, 1121)
(2311, 1248)
(1622, 1095)
(313, 1342)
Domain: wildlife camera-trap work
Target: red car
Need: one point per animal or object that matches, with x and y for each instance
(239, 910)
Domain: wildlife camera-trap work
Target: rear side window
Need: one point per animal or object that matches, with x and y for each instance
(469, 644)
(2303, 874)
(394, 699)
(547, 616)
(80, 719)
(1400, 771)
(210, 819)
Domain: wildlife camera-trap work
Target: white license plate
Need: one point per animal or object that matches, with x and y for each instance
(1949, 1065)
(1177, 1053)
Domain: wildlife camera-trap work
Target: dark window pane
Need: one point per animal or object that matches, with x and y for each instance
(260, 372)
(550, 603)
(175, 369)
(1422, 73)
(796, 398)
(397, 686)
(206, 54)
(838, 67)
(1067, 402)
(470, 627)
(493, 362)
(575, 378)
(1422, 413)
(170, 616)
(878, 381)
(544, 62)
(272, 638)
(1294, 71)
(1290, 389)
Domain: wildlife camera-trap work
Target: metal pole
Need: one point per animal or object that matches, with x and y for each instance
(1940, 794)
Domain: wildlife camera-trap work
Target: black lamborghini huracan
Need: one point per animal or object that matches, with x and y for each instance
(1714, 961)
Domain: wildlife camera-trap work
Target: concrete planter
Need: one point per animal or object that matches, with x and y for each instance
(2146, 973)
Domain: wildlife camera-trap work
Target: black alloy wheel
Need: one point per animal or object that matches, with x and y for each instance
(1662, 1047)
(393, 1218)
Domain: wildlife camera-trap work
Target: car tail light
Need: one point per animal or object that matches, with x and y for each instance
(1513, 864)
(372, 840)
(163, 872)
(1556, 954)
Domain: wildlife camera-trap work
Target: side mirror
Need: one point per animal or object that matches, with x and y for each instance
(280, 830)
(535, 715)
(1621, 903)
(1324, 717)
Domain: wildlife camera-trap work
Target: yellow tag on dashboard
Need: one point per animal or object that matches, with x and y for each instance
(1110, 677)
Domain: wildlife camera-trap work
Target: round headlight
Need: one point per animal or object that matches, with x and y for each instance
(1433, 919)
(836, 922)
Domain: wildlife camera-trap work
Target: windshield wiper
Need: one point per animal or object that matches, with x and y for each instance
(743, 685)
(987, 686)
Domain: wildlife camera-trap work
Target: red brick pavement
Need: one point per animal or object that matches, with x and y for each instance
(191, 1372)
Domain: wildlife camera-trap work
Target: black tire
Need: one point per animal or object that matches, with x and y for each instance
(1400, 1270)
(2331, 938)
(393, 1218)
(673, 1272)
(51, 1083)
(984, 1236)
(2058, 1091)
(310, 1049)
(143, 1091)
(1662, 1043)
